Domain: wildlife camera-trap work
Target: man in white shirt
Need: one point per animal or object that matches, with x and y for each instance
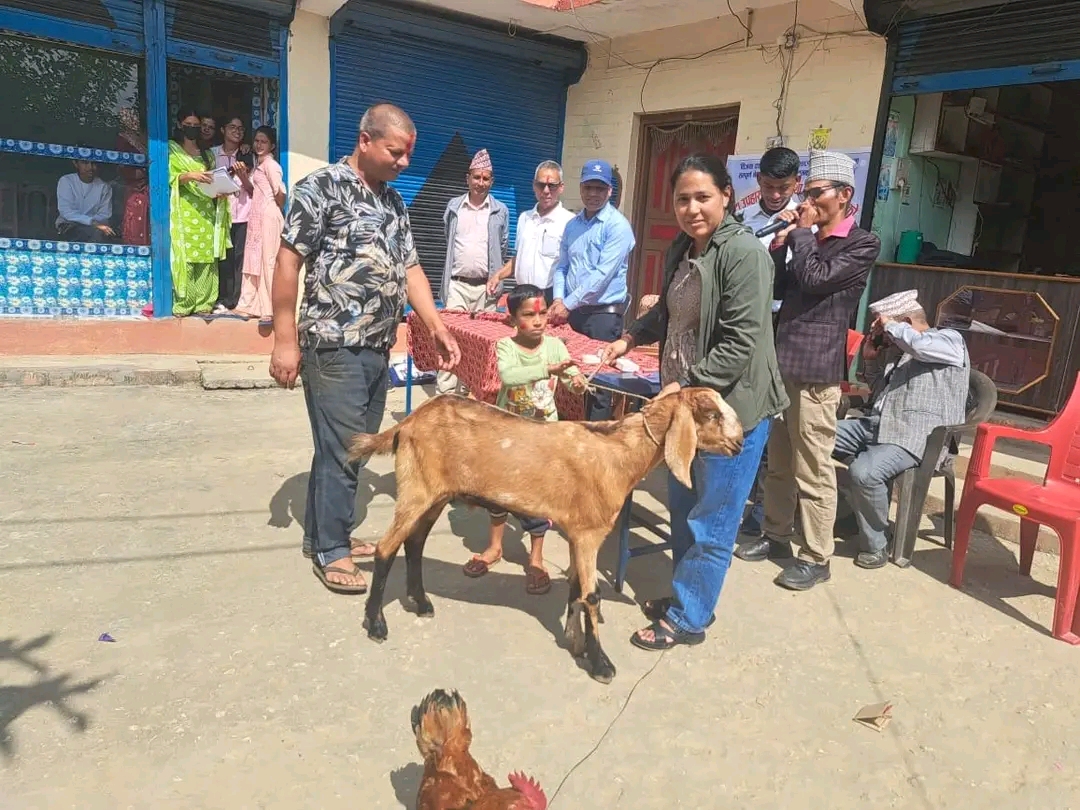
(539, 234)
(777, 177)
(84, 204)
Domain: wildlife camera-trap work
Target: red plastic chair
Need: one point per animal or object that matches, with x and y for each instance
(1054, 503)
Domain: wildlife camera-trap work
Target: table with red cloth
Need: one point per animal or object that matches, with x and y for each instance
(478, 371)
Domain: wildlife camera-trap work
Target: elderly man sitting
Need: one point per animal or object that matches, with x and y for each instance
(919, 379)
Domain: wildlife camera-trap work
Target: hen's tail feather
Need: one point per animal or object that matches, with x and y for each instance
(440, 717)
(530, 789)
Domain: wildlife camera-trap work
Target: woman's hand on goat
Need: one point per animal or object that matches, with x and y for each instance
(613, 351)
(449, 353)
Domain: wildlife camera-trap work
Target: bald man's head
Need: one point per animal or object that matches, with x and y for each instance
(387, 138)
(380, 119)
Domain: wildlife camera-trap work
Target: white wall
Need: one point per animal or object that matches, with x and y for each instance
(836, 83)
(309, 94)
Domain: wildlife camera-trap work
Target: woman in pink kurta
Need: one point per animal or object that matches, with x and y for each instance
(265, 223)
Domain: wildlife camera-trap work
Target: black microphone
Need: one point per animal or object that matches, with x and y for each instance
(773, 227)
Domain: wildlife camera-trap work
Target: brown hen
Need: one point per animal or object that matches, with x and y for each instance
(452, 779)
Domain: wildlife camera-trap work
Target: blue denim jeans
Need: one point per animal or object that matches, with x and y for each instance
(345, 392)
(704, 524)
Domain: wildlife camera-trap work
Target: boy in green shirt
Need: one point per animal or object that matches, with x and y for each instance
(530, 365)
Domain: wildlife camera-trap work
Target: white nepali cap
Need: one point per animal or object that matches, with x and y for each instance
(897, 304)
(833, 166)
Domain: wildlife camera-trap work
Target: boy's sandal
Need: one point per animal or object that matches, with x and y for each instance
(337, 587)
(664, 639)
(537, 581)
(477, 566)
(656, 609)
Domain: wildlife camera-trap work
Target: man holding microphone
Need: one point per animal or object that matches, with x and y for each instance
(822, 283)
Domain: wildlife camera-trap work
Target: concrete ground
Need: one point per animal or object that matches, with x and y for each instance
(167, 517)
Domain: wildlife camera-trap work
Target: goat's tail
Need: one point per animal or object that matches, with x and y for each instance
(373, 444)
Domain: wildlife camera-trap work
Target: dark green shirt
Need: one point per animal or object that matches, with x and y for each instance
(737, 355)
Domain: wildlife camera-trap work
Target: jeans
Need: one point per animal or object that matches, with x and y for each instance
(754, 522)
(872, 469)
(345, 392)
(704, 524)
(604, 326)
(530, 525)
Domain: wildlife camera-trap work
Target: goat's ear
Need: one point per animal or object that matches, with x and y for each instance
(680, 444)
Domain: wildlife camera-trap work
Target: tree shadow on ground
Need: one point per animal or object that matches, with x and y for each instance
(289, 502)
(406, 783)
(16, 700)
(991, 575)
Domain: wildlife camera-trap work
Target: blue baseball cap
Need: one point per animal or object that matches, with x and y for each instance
(597, 170)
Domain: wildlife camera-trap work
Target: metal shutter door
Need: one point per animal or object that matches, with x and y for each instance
(121, 16)
(462, 100)
(230, 28)
(1023, 32)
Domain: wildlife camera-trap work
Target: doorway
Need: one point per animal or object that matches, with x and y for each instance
(665, 140)
(222, 94)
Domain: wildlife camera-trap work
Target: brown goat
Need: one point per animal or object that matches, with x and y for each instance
(577, 474)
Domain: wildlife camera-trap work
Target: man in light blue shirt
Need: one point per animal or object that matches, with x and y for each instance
(590, 276)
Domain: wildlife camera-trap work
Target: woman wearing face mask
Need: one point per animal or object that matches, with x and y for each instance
(198, 224)
(714, 326)
(265, 223)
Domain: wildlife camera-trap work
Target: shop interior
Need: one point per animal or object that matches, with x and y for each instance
(982, 179)
(986, 180)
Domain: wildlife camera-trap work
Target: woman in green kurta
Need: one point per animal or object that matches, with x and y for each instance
(198, 224)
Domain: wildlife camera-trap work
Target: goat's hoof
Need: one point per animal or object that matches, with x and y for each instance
(424, 608)
(376, 628)
(602, 670)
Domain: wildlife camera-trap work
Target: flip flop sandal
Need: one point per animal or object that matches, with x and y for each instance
(537, 581)
(664, 639)
(355, 544)
(335, 587)
(656, 609)
(477, 567)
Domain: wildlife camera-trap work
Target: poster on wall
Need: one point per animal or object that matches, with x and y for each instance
(744, 168)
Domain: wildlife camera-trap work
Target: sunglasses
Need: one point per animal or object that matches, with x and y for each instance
(815, 193)
(547, 186)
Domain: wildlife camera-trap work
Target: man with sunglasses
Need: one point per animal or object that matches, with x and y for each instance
(822, 282)
(539, 235)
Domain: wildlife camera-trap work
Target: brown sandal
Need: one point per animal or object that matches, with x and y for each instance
(337, 587)
(537, 581)
(477, 566)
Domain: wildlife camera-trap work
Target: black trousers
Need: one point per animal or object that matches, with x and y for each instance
(605, 326)
(74, 232)
(231, 268)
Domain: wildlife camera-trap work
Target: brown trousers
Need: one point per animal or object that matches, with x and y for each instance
(801, 474)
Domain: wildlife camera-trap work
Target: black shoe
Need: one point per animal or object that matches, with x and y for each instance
(764, 548)
(872, 559)
(803, 576)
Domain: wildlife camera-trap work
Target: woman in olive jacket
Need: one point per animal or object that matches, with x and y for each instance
(714, 325)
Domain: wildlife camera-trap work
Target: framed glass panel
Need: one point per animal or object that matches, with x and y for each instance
(74, 199)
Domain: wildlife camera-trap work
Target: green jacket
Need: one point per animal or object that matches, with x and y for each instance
(735, 341)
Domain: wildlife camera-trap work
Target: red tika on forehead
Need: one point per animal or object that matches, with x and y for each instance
(531, 306)
(410, 144)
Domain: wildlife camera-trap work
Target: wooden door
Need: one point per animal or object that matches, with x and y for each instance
(666, 145)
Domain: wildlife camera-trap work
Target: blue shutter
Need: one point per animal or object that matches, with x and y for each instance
(467, 88)
(109, 24)
(1019, 42)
